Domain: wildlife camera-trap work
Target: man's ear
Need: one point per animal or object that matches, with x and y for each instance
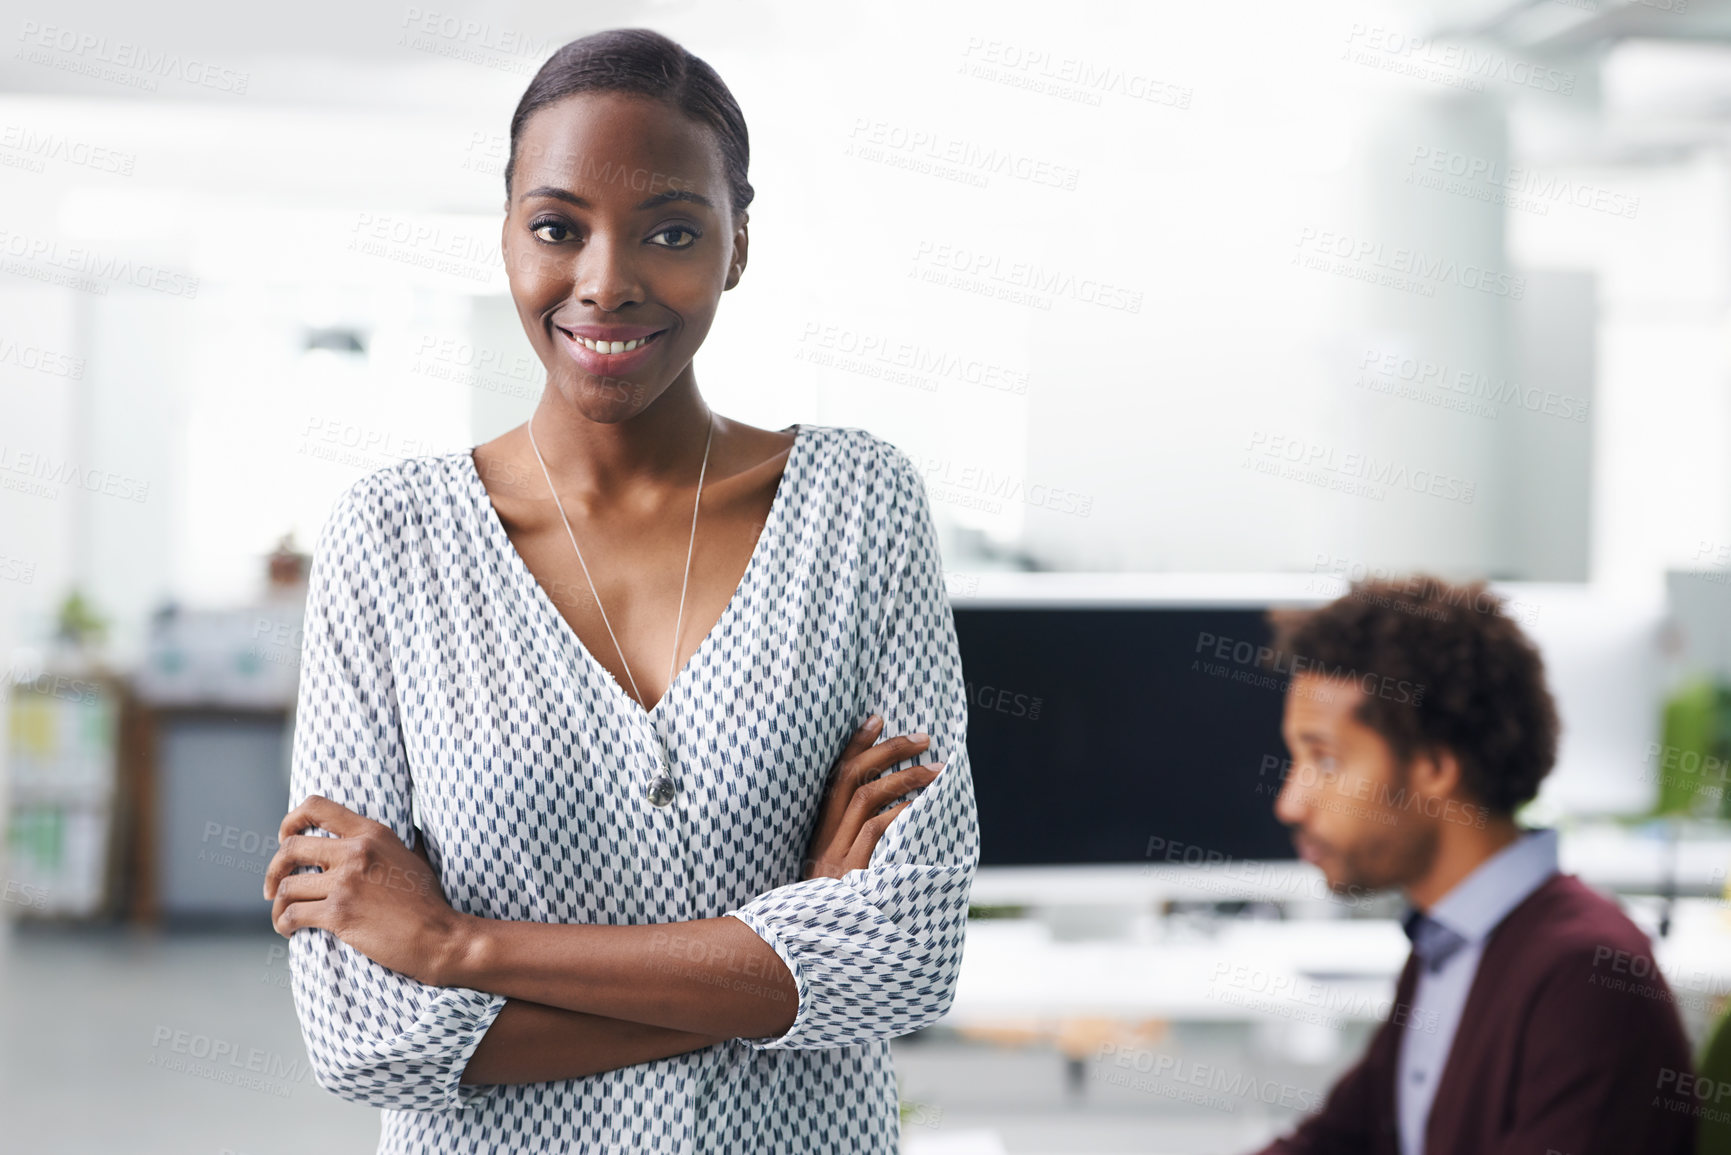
(1436, 773)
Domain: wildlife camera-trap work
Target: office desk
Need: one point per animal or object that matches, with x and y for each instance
(1327, 973)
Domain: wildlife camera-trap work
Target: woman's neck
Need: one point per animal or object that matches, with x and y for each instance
(599, 462)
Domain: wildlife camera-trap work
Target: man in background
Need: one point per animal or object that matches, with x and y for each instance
(1418, 722)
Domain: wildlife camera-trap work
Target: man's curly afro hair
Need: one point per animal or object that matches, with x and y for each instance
(1484, 694)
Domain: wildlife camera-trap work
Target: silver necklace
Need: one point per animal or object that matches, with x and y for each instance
(660, 788)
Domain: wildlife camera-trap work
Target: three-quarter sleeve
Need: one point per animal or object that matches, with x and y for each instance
(875, 954)
(373, 1036)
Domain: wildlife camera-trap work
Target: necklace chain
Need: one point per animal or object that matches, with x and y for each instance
(679, 624)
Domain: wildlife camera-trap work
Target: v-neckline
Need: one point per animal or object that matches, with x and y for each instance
(524, 577)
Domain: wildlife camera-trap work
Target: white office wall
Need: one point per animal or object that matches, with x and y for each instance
(41, 392)
(1661, 480)
(1193, 204)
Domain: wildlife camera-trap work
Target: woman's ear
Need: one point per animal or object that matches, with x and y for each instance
(741, 243)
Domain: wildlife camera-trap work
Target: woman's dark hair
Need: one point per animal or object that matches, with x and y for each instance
(645, 63)
(1473, 683)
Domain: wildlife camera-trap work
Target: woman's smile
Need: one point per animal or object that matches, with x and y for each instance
(609, 349)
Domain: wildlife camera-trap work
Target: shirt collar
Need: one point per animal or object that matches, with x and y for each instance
(1497, 885)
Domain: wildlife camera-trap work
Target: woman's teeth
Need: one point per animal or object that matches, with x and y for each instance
(614, 346)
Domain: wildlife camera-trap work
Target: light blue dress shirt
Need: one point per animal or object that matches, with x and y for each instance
(1470, 911)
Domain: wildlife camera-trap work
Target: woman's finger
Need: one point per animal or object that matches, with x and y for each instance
(871, 797)
(843, 811)
(321, 812)
(860, 856)
(862, 751)
(299, 850)
(865, 766)
(836, 784)
(298, 888)
(863, 737)
(859, 762)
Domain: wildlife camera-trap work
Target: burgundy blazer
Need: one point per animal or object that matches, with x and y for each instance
(1568, 1045)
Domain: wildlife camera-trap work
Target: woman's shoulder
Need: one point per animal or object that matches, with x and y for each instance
(392, 502)
(863, 481)
(856, 454)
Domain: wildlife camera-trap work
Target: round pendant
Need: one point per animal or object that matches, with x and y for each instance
(660, 791)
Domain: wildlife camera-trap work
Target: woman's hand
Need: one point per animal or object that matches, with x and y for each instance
(849, 826)
(374, 893)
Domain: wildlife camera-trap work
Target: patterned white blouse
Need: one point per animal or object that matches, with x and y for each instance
(440, 686)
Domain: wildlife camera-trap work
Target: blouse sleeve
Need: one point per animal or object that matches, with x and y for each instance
(875, 954)
(373, 1036)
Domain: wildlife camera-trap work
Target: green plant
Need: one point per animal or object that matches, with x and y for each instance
(77, 622)
(1694, 752)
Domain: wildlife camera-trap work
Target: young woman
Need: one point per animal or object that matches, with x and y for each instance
(657, 908)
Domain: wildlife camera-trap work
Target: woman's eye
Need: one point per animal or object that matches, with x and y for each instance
(539, 226)
(692, 233)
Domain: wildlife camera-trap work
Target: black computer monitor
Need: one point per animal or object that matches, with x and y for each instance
(1113, 734)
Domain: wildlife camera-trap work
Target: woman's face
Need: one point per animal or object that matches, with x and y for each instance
(619, 229)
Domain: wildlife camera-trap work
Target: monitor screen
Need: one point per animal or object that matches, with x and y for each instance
(1122, 734)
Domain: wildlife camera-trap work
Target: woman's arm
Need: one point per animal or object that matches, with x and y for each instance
(384, 899)
(711, 976)
(708, 979)
(533, 1043)
(381, 903)
(373, 1035)
(876, 953)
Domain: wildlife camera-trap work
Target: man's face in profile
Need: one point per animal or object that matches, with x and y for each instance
(1343, 796)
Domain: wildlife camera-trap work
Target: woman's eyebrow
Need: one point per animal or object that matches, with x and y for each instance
(660, 198)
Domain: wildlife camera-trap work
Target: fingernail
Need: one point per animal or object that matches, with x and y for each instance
(919, 737)
(872, 723)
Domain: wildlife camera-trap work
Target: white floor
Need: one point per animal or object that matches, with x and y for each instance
(89, 1062)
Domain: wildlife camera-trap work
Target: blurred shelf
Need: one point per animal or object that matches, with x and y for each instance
(64, 794)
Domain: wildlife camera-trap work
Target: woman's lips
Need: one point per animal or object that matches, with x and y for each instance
(609, 364)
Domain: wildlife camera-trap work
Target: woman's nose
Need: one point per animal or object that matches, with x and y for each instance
(607, 276)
